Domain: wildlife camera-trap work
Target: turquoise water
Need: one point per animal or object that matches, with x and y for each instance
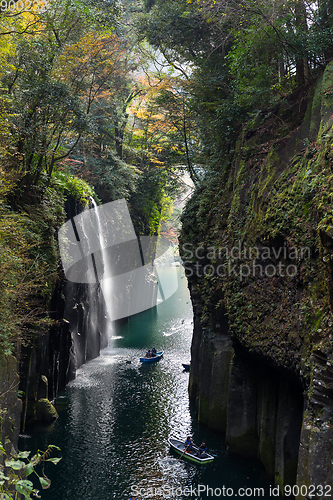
(116, 417)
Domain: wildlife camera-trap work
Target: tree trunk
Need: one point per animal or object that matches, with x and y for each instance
(119, 137)
(302, 66)
(281, 69)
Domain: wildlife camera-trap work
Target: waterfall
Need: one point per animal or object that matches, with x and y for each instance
(107, 287)
(111, 274)
(85, 308)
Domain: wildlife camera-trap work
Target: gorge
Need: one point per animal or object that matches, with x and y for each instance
(100, 102)
(261, 351)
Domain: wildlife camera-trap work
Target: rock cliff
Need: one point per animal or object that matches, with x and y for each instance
(257, 246)
(77, 334)
(10, 405)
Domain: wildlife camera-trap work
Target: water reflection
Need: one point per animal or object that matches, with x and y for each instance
(116, 417)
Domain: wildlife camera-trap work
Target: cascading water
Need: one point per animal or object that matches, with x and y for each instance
(107, 271)
(118, 273)
(85, 308)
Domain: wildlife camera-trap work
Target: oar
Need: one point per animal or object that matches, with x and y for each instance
(183, 452)
(195, 446)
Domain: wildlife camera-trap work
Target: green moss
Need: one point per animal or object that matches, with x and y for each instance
(279, 194)
(29, 257)
(327, 99)
(28, 260)
(45, 411)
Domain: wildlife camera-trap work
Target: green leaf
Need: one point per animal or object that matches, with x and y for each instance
(307, 207)
(29, 469)
(54, 447)
(36, 459)
(25, 483)
(14, 464)
(23, 454)
(54, 460)
(25, 488)
(45, 482)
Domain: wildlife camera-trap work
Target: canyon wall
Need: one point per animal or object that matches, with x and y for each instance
(257, 246)
(10, 405)
(78, 331)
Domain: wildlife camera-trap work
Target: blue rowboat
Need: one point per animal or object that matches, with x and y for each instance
(153, 358)
(194, 456)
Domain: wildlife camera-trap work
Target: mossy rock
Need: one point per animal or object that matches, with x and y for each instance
(45, 410)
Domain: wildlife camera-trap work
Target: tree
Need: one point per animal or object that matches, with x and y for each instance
(97, 70)
(50, 116)
(240, 56)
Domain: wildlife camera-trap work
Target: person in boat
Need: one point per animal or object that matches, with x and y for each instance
(148, 354)
(202, 449)
(189, 444)
(153, 352)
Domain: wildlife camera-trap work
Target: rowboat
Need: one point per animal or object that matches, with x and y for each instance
(195, 456)
(153, 358)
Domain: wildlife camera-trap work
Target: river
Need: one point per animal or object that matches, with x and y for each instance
(116, 416)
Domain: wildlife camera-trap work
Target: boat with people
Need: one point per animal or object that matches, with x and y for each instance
(194, 455)
(152, 359)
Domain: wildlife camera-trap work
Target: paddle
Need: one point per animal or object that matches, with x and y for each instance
(183, 452)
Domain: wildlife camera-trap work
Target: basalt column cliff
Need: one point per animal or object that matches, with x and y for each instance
(257, 245)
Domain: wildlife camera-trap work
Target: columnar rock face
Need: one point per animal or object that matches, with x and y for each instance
(316, 444)
(78, 333)
(258, 408)
(257, 246)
